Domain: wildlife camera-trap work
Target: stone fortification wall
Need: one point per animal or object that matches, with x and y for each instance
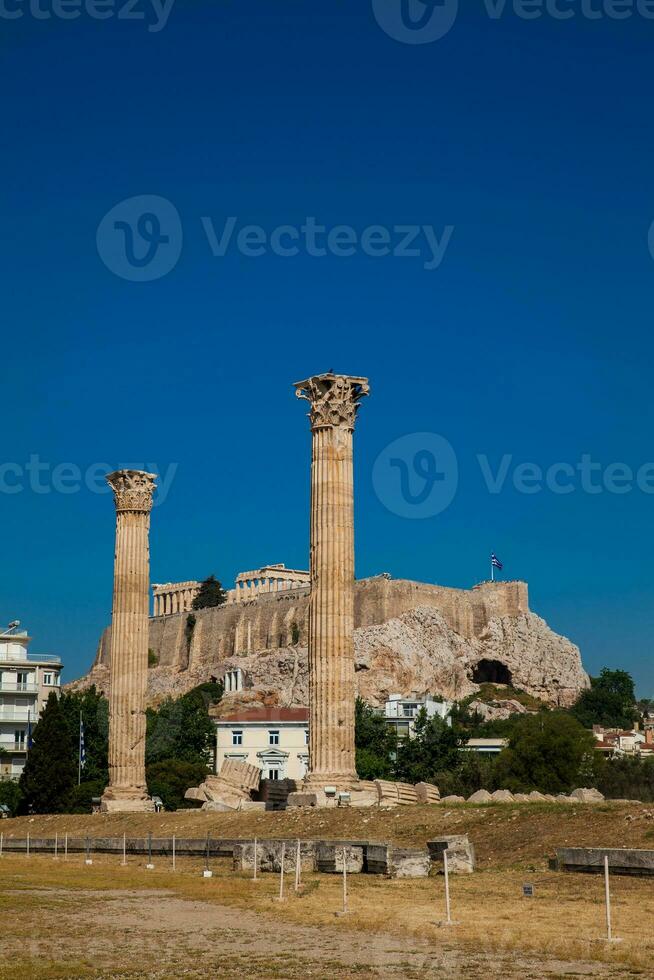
(279, 620)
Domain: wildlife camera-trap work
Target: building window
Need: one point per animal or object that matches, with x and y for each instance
(306, 736)
(22, 678)
(237, 738)
(47, 679)
(273, 774)
(19, 737)
(273, 737)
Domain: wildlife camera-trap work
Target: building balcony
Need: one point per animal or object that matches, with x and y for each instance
(13, 747)
(9, 713)
(18, 687)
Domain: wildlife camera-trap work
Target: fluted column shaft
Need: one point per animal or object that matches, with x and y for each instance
(331, 605)
(334, 402)
(127, 787)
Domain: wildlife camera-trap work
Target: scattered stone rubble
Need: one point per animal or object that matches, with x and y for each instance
(238, 784)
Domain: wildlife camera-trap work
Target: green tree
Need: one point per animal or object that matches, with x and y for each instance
(433, 749)
(610, 701)
(375, 742)
(550, 752)
(170, 778)
(181, 728)
(94, 709)
(11, 795)
(50, 773)
(211, 593)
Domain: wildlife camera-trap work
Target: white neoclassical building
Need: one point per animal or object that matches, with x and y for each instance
(274, 739)
(25, 683)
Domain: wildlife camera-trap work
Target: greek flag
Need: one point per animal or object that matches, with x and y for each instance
(495, 562)
(82, 747)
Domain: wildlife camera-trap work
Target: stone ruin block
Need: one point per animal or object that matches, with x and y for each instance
(427, 793)
(453, 799)
(406, 794)
(387, 793)
(229, 790)
(364, 794)
(241, 775)
(460, 852)
(502, 796)
(269, 856)
(329, 858)
(378, 860)
(587, 796)
(481, 796)
(409, 862)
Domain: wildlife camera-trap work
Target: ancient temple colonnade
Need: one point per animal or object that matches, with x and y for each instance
(173, 597)
(263, 581)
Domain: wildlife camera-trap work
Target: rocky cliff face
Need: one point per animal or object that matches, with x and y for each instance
(414, 654)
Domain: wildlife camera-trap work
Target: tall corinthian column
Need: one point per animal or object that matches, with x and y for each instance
(334, 401)
(127, 788)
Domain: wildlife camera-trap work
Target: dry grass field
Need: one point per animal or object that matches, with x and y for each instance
(66, 919)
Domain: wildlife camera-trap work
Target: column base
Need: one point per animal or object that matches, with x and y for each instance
(129, 799)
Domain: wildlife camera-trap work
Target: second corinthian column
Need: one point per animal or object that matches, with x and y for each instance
(127, 789)
(334, 401)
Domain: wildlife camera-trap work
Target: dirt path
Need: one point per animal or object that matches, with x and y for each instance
(126, 934)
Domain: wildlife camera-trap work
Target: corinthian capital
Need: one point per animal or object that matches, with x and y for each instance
(132, 489)
(334, 399)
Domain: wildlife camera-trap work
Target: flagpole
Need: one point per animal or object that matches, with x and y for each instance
(79, 751)
(492, 570)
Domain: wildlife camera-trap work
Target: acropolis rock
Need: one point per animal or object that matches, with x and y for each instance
(410, 638)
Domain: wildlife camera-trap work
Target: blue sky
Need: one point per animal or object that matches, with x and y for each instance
(529, 341)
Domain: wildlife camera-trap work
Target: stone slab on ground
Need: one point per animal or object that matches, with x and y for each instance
(329, 858)
(587, 795)
(269, 855)
(409, 862)
(427, 793)
(481, 796)
(460, 852)
(627, 861)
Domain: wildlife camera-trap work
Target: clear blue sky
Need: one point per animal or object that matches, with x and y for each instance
(532, 339)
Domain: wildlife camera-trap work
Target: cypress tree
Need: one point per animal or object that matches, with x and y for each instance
(211, 593)
(49, 776)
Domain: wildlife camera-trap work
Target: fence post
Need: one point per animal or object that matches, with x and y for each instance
(207, 873)
(88, 851)
(27, 851)
(124, 850)
(56, 853)
(607, 894)
(344, 880)
(281, 873)
(255, 860)
(150, 865)
(298, 866)
(1, 843)
(66, 848)
(173, 852)
(446, 868)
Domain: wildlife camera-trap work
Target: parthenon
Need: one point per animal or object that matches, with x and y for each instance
(176, 597)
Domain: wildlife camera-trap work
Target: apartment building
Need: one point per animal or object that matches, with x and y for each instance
(25, 683)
